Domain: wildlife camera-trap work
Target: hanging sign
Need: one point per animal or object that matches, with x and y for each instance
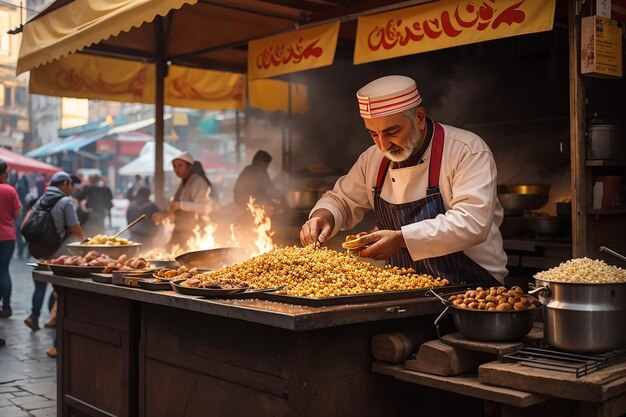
(294, 51)
(447, 23)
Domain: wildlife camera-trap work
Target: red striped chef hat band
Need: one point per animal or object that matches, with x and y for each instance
(388, 95)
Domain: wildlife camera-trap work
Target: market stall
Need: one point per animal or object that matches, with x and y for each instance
(163, 353)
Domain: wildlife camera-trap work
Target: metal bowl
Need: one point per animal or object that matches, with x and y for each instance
(213, 258)
(494, 326)
(524, 189)
(81, 249)
(301, 200)
(545, 225)
(520, 202)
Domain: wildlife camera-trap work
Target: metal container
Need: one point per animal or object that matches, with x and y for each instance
(301, 200)
(545, 225)
(490, 326)
(604, 142)
(583, 318)
(515, 198)
(114, 251)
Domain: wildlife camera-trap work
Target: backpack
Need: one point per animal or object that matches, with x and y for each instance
(40, 231)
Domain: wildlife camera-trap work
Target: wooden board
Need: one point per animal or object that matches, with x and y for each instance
(467, 384)
(498, 348)
(598, 386)
(437, 358)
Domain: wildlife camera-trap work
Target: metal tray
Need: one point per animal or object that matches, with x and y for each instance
(101, 278)
(152, 285)
(74, 271)
(361, 298)
(205, 292)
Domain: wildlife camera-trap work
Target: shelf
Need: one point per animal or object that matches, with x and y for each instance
(604, 163)
(607, 211)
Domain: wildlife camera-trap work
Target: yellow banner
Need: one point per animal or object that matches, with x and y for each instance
(204, 89)
(447, 23)
(291, 52)
(272, 95)
(85, 76)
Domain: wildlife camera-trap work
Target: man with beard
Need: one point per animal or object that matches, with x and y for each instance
(432, 187)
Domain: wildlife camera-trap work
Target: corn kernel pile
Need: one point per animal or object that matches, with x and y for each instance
(584, 271)
(321, 272)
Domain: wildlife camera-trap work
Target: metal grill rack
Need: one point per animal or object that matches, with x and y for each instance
(545, 357)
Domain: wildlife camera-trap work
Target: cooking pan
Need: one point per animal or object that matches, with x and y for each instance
(213, 258)
(489, 326)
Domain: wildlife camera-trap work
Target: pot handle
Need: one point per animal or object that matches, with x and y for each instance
(543, 290)
(438, 319)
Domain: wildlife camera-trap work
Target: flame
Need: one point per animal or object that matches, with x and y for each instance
(263, 230)
(256, 236)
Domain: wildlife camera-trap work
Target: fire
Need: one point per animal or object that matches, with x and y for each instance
(263, 230)
(255, 236)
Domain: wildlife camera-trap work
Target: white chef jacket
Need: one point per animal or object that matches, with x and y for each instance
(467, 183)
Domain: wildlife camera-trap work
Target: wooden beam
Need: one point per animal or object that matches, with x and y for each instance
(159, 104)
(299, 4)
(580, 194)
(252, 10)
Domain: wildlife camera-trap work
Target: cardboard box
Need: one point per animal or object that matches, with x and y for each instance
(601, 47)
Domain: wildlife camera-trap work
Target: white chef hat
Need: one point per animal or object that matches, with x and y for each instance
(388, 95)
(184, 156)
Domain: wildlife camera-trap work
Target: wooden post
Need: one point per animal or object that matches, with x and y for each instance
(577, 137)
(159, 103)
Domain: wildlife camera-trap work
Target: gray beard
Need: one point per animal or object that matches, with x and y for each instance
(404, 154)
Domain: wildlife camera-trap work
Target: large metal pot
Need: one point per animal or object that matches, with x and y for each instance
(583, 318)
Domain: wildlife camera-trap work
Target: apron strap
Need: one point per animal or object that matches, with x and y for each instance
(435, 157)
(382, 171)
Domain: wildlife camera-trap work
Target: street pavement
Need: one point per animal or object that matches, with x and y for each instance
(27, 374)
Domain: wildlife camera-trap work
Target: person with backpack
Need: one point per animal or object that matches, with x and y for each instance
(46, 227)
(10, 210)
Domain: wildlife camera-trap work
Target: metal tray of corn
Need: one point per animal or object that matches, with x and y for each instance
(361, 298)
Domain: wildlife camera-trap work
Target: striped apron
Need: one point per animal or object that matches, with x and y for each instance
(456, 267)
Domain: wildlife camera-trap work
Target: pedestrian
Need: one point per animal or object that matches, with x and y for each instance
(134, 187)
(98, 200)
(431, 186)
(143, 231)
(190, 202)
(63, 212)
(22, 189)
(255, 182)
(10, 210)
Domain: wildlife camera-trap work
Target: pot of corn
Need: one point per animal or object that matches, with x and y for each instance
(584, 305)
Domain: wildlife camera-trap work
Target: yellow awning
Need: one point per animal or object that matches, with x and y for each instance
(87, 76)
(82, 23)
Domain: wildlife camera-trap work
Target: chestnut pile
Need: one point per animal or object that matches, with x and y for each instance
(495, 299)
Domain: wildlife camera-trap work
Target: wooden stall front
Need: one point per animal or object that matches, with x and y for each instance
(126, 352)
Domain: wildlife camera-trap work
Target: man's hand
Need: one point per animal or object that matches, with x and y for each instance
(318, 228)
(160, 216)
(382, 244)
(174, 206)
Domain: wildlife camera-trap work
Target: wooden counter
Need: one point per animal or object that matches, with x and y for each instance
(127, 352)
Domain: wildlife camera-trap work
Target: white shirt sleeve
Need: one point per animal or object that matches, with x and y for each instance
(350, 199)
